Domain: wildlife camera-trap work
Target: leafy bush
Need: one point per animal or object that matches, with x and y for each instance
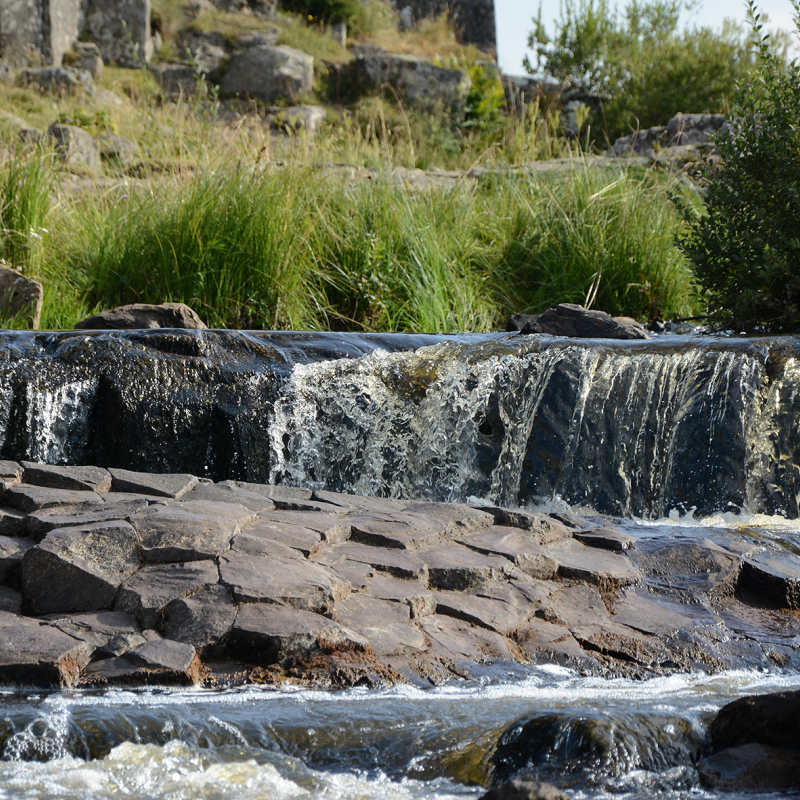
(643, 64)
(746, 247)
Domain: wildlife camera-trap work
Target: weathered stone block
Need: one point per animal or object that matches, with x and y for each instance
(267, 73)
(75, 146)
(121, 29)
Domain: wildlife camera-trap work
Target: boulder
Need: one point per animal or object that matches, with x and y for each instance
(20, 297)
(75, 146)
(680, 131)
(142, 315)
(59, 80)
(568, 319)
(89, 58)
(751, 768)
(201, 618)
(79, 569)
(121, 29)
(89, 479)
(768, 719)
(416, 80)
(773, 576)
(267, 73)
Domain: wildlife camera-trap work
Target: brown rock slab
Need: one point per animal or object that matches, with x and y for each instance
(28, 498)
(40, 523)
(200, 619)
(138, 316)
(147, 592)
(369, 505)
(251, 545)
(606, 538)
(492, 613)
(622, 643)
(268, 633)
(453, 566)
(455, 518)
(80, 568)
(651, 615)
(545, 641)
(382, 623)
(394, 531)
(696, 566)
(225, 493)
(522, 548)
(578, 605)
(302, 585)
(156, 485)
(33, 653)
(190, 531)
(400, 563)
(420, 601)
(545, 527)
(455, 639)
(774, 577)
(86, 479)
(163, 654)
(576, 561)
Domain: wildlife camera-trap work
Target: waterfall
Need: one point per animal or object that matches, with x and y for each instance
(627, 428)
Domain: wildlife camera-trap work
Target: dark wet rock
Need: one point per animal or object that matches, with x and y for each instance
(519, 547)
(301, 585)
(146, 593)
(90, 479)
(79, 569)
(190, 532)
(568, 319)
(10, 601)
(400, 563)
(201, 618)
(13, 523)
(268, 633)
(33, 653)
(138, 667)
(608, 571)
(141, 315)
(606, 538)
(384, 624)
(225, 493)
(769, 719)
(120, 644)
(751, 768)
(542, 641)
(774, 577)
(161, 485)
(39, 523)
(453, 566)
(28, 498)
(525, 790)
(98, 628)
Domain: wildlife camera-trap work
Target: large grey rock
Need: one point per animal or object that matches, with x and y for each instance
(90, 479)
(453, 566)
(121, 29)
(416, 80)
(384, 624)
(520, 547)
(266, 634)
(80, 569)
(680, 131)
(36, 654)
(400, 563)
(293, 582)
(751, 768)
(493, 613)
(21, 297)
(773, 576)
(607, 570)
(568, 319)
(417, 597)
(457, 640)
(174, 486)
(98, 628)
(770, 719)
(267, 73)
(190, 532)
(163, 654)
(143, 315)
(146, 593)
(228, 493)
(12, 549)
(60, 80)
(75, 146)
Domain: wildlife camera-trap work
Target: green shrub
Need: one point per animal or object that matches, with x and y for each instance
(746, 247)
(647, 68)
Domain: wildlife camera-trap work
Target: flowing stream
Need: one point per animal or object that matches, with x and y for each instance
(673, 434)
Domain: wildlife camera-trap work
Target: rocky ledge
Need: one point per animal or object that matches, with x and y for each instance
(118, 577)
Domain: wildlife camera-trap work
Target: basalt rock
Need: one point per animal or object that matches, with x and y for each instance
(336, 589)
(568, 319)
(142, 315)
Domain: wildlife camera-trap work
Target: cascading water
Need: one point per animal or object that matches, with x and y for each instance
(634, 429)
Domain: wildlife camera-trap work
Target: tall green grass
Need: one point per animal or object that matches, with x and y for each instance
(300, 247)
